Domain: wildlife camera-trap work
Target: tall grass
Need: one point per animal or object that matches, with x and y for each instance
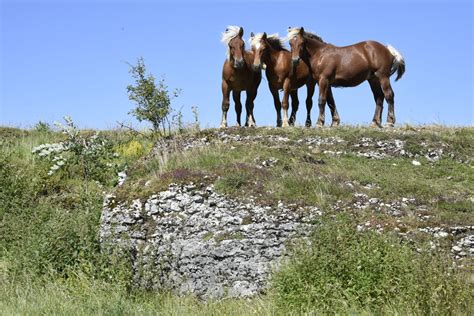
(346, 270)
(85, 296)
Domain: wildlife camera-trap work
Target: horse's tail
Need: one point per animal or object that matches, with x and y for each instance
(398, 64)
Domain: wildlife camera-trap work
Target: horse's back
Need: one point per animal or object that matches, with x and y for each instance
(370, 54)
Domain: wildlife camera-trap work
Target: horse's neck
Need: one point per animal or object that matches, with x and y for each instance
(314, 46)
(272, 57)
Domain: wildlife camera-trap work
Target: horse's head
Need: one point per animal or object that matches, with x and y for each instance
(297, 44)
(259, 46)
(236, 45)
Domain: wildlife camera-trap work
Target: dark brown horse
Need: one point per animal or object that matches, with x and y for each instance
(270, 51)
(237, 76)
(349, 66)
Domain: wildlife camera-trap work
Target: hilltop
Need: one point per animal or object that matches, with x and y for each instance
(410, 187)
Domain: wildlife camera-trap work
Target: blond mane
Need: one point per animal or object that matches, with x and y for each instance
(292, 32)
(230, 32)
(274, 40)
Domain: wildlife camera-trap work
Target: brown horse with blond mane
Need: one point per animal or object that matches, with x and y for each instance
(238, 76)
(349, 66)
(271, 52)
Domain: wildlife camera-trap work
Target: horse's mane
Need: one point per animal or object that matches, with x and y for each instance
(274, 40)
(292, 32)
(230, 32)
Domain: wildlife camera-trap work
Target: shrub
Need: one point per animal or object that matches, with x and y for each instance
(344, 269)
(90, 156)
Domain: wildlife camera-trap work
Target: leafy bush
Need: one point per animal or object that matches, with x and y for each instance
(90, 156)
(344, 269)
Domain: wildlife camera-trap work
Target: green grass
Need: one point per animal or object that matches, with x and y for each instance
(303, 177)
(83, 296)
(344, 269)
(50, 258)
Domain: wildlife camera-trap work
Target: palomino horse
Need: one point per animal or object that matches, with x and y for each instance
(237, 75)
(349, 66)
(271, 51)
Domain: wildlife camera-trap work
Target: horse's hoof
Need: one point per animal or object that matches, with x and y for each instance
(279, 123)
(335, 123)
(223, 126)
(285, 124)
(389, 125)
(375, 124)
(319, 125)
(308, 123)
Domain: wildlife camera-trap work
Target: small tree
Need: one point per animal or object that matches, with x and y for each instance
(153, 102)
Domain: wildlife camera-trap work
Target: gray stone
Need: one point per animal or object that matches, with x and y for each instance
(206, 245)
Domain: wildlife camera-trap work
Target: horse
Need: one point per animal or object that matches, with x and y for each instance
(349, 66)
(238, 75)
(271, 52)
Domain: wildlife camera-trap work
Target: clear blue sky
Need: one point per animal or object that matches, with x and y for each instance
(68, 57)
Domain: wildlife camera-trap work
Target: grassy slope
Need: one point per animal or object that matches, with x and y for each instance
(308, 176)
(50, 260)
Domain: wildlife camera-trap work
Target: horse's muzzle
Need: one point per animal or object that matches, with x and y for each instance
(238, 63)
(295, 61)
(256, 67)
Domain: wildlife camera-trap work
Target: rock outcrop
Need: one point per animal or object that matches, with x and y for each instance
(193, 240)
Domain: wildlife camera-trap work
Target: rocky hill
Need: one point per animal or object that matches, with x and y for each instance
(213, 213)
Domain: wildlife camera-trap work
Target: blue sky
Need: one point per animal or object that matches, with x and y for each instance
(69, 57)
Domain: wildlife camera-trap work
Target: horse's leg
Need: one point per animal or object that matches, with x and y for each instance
(323, 90)
(309, 101)
(332, 106)
(277, 103)
(284, 103)
(294, 106)
(251, 95)
(378, 97)
(238, 105)
(225, 103)
(390, 97)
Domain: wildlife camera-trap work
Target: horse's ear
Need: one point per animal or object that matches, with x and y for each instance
(241, 32)
(264, 36)
(251, 34)
(302, 30)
